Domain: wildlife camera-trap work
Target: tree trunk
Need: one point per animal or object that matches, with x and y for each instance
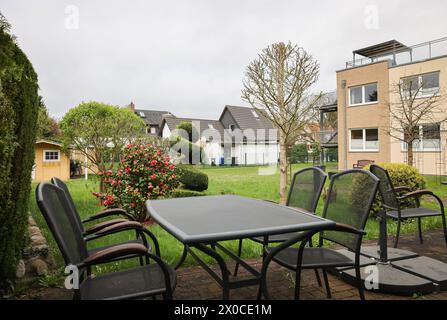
(410, 153)
(282, 170)
(282, 137)
(102, 184)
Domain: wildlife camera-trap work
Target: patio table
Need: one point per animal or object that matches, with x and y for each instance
(199, 222)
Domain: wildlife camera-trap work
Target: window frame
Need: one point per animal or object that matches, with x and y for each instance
(421, 141)
(419, 77)
(363, 103)
(51, 160)
(363, 140)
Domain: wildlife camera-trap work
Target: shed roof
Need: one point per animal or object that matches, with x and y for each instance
(49, 142)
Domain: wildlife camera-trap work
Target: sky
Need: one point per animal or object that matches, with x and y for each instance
(189, 56)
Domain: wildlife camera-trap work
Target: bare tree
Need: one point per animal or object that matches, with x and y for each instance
(277, 84)
(415, 106)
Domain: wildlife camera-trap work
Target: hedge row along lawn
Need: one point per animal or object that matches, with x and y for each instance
(255, 182)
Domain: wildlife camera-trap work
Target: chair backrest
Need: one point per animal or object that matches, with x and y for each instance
(59, 183)
(386, 188)
(58, 214)
(306, 188)
(349, 201)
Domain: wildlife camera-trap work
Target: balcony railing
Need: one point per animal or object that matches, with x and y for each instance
(419, 52)
(328, 138)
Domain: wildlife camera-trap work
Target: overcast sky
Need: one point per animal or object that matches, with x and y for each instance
(189, 56)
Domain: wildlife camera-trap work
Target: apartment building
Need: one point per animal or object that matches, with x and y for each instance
(366, 89)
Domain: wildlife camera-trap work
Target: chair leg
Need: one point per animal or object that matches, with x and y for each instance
(264, 255)
(317, 275)
(239, 253)
(326, 284)
(420, 230)
(444, 225)
(397, 234)
(359, 282)
(297, 283)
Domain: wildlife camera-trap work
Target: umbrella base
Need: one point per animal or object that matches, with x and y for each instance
(405, 273)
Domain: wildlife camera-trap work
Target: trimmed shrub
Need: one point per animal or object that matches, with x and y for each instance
(401, 175)
(145, 172)
(193, 179)
(183, 193)
(19, 104)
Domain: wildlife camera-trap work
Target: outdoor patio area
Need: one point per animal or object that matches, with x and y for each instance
(195, 283)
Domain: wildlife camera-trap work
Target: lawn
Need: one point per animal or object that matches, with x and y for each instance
(255, 182)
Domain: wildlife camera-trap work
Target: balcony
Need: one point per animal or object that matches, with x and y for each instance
(328, 139)
(397, 53)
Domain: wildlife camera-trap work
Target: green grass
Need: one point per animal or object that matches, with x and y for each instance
(244, 181)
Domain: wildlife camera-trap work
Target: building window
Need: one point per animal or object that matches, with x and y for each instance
(231, 127)
(153, 130)
(429, 138)
(51, 155)
(423, 85)
(364, 94)
(364, 140)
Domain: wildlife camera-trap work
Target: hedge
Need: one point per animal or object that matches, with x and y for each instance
(19, 104)
(193, 179)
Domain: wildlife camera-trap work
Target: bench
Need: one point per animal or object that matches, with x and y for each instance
(362, 163)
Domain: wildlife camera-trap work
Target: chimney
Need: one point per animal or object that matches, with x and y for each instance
(131, 106)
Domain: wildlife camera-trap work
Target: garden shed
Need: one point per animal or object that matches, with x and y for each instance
(50, 161)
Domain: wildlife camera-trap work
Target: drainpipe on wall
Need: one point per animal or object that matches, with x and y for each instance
(343, 85)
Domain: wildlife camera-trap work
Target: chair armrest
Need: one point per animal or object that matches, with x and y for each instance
(402, 189)
(108, 213)
(417, 193)
(121, 226)
(126, 226)
(102, 225)
(120, 250)
(347, 228)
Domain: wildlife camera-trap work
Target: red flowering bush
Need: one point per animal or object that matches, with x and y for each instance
(145, 172)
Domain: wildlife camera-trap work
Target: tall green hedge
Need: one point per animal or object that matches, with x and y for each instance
(18, 113)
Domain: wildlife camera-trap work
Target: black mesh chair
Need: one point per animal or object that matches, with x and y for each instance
(144, 281)
(391, 197)
(304, 193)
(89, 233)
(348, 202)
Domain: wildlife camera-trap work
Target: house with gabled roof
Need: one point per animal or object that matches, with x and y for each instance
(241, 136)
(152, 118)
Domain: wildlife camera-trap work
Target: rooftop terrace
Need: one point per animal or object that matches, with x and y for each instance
(397, 53)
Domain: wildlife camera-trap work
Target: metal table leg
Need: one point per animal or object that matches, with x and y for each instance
(182, 258)
(223, 279)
